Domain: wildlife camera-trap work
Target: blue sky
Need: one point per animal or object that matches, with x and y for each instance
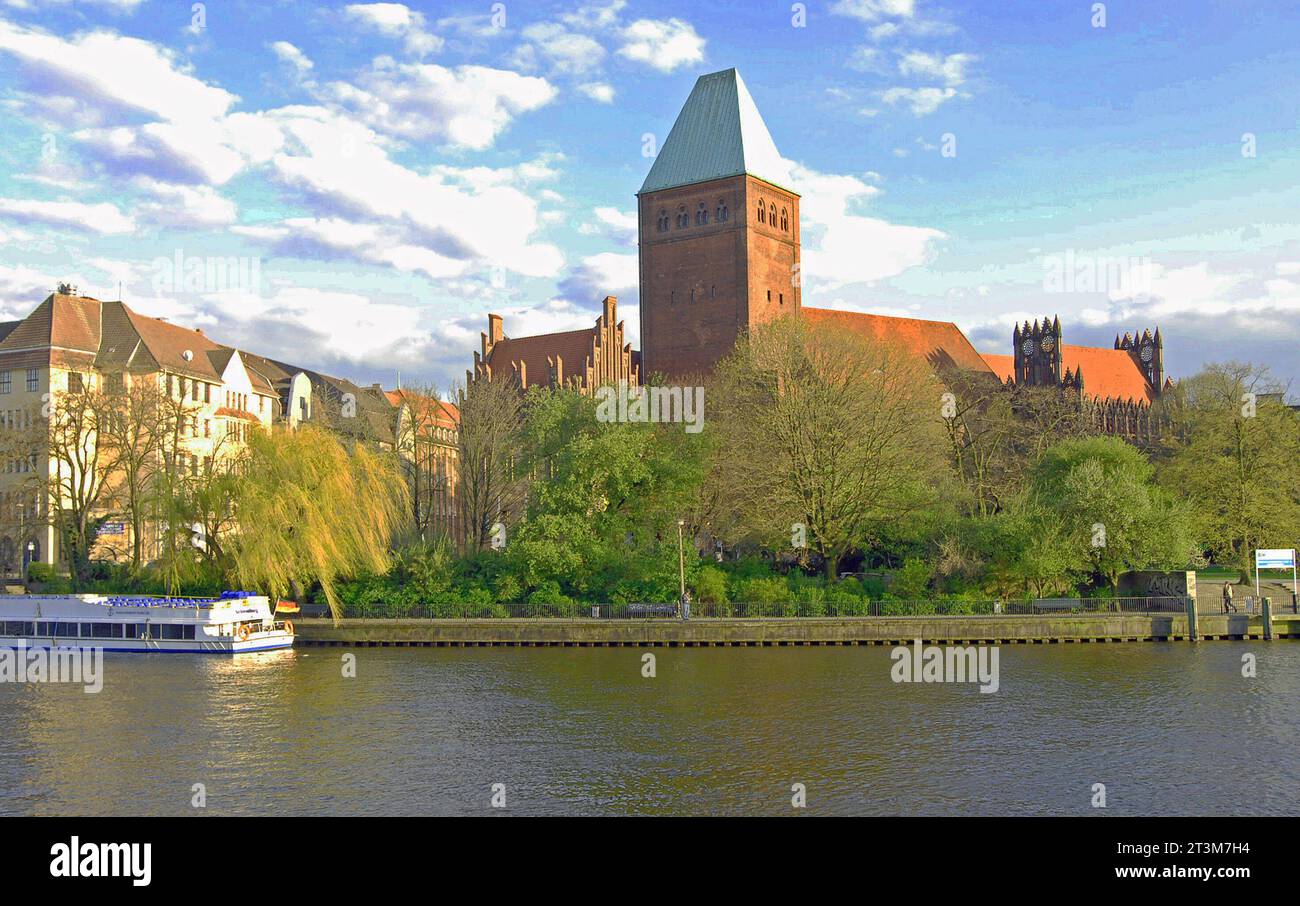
(398, 171)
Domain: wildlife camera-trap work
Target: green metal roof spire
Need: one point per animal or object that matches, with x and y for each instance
(719, 133)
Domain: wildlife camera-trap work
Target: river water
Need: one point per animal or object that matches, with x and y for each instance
(1168, 728)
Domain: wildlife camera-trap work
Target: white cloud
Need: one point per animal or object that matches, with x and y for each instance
(873, 10)
(617, 226)
(101, 68)
(292, 55)
(600, 92)
(664, 44)
(184, 206)
(598, 276)
(564, 51)
(841, 247)
(467, 106)
(921, 100)
(394, 20)
(102, 218)
(950, 69)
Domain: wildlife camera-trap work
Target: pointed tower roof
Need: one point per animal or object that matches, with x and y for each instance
(719, 133)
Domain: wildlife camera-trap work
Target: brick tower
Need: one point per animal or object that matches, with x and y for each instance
(719, 232)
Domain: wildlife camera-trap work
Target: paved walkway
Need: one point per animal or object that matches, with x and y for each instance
(1209, 595)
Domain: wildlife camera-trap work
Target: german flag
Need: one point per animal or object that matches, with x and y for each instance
(286, 607)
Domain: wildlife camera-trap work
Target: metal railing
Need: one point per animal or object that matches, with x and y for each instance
(810, 609)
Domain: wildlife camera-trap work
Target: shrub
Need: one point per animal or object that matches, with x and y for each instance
(711, 586)
(913, 580)
(41, 572)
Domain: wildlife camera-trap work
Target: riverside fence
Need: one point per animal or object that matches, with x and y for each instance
(769, 609)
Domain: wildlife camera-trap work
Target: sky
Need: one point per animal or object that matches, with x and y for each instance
(388, 174)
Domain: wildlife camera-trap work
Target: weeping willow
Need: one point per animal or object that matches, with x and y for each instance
(312, 511)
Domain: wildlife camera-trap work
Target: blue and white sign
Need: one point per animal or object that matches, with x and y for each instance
(1275, 559)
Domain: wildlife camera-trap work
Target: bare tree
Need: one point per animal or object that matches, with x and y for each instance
(492, 485)
(426, 446)
(84, 459)
(826, 434)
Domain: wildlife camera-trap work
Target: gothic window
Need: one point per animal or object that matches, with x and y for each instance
(785, 222)
(762, 212)
(663, 221)
(683, 219)
(773, 214)
(722, 210)
(701, 215)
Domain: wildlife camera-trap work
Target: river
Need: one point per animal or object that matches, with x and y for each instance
(1168, 728)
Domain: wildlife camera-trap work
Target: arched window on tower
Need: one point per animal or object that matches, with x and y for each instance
(785, 221)
(773, 214)
(683, 219)
(762, 212)
(722, 210)
(701, 214)
(663, 221)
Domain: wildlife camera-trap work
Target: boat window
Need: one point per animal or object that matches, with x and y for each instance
(43, 629)
(133, 630)
(187, 631)
(170, 631)
(13, 628)
(101, 630)
(65, 629)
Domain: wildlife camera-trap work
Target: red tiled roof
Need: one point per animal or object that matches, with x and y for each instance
(573, 347)
(447, 414)
(941, 343)
(1107, 373)
(1004, 366)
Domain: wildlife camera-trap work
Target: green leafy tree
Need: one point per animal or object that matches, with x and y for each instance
(1236, 454)
(310, 511)
(1102, 494)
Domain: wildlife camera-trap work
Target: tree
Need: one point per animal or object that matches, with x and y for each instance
(1102, 494)
(492, 487)
(601, 515)
(827, 431)
(84, 459)
(425, 440)
(1236, 453)
(310, 511)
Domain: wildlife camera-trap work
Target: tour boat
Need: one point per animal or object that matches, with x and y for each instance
(235, 622)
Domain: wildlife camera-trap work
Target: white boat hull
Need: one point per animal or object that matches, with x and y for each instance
(236, 623)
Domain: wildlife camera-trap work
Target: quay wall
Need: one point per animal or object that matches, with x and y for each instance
(1037, 629)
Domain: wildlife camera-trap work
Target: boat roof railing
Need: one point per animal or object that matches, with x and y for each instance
(151, 600)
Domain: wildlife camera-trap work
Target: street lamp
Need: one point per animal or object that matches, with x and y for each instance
(27, 561)
(681, 566)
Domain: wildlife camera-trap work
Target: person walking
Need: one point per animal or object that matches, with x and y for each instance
(1228, 606)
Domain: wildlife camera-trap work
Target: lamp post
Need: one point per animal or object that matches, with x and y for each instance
(27, 561)
(681, 566)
